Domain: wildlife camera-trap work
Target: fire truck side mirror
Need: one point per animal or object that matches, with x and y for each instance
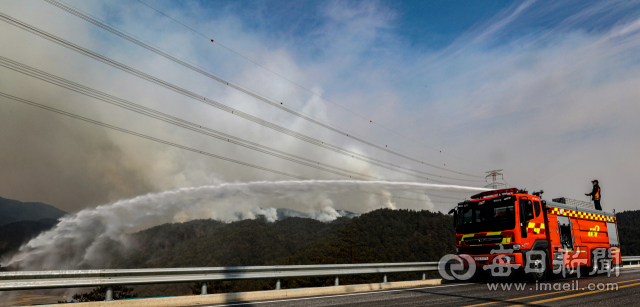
(455, 216)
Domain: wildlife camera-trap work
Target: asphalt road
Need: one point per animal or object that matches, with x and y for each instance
(478, 294)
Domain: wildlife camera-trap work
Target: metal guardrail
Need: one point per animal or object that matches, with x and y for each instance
(29, 280)
(630, 259)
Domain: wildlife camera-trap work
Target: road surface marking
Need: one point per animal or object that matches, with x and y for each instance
(515, 299)
(574, 295)
(550, 293)
(338, 295)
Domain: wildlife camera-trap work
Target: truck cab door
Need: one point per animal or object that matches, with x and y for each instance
(565, 232)
(527, 214)
(536, 226)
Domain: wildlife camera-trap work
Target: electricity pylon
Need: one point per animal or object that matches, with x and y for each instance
(494, 183)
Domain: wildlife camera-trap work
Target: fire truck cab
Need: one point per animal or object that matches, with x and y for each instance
(516, 222)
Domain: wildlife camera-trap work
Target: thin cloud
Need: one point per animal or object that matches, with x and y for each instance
(553, 105)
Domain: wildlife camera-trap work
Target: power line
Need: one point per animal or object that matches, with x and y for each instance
(215, 104)
(81, 89)
(158, 51)
(116, 128)
(95, 122)
(291, 81)
(151, 7)
(415, 199)
(170, 119)
(440, 196)
(202, 71)
(408, 198)
(508, 185)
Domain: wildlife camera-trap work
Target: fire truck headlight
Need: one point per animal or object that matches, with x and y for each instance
(557, 256)
(516, 247)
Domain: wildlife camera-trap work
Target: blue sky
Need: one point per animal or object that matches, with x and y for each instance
(435, 24)
(432, 24)
(546, 90)
(422, 24)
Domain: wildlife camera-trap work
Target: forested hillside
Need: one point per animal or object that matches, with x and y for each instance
(16, 211)
(13, 235)
(22, 221)
(379, 236)
(382, 235)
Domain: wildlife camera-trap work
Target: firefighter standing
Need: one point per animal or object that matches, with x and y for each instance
(595, 195)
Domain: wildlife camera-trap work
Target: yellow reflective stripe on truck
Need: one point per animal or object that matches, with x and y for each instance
(581, 215)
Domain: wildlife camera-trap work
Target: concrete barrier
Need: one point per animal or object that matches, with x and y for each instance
(254, 296)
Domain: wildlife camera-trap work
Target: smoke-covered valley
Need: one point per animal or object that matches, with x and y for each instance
(79, 240)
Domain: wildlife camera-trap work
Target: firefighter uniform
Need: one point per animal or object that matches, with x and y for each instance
(595, 195)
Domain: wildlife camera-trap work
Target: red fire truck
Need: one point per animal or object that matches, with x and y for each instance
(561, 234)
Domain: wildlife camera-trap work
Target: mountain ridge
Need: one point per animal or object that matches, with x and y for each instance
(16, 211)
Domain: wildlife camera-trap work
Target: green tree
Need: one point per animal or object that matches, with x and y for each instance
(99, 294)
(351, 246)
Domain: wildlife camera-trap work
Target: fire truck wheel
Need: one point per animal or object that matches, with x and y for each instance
(598, 266)
(585, 270)
(538, 277)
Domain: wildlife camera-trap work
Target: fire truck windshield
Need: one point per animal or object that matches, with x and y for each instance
(487, 215)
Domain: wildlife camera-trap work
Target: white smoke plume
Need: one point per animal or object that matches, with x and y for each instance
(79, 240)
